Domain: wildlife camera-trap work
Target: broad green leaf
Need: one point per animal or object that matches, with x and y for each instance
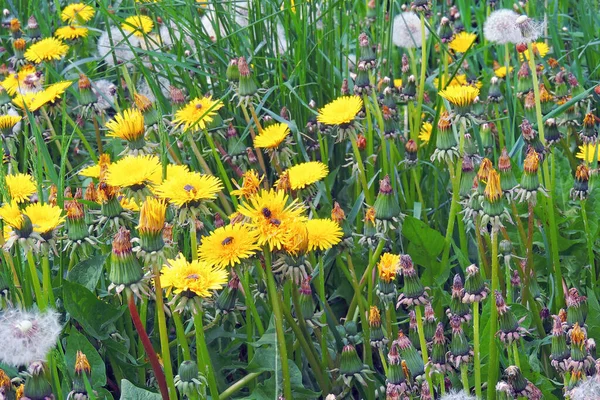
(131, 392)
(87, 273)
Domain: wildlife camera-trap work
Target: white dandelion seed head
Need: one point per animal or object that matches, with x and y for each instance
(407, 30)
(454, 395)
(531, 30)
(330, 397)
(144, 88)
(106, 93)
(116, 46)
(27, 336)
(501, 27)
(586, 390)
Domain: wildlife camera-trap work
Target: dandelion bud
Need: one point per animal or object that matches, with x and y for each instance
(82, 368)
(413, 293)
(446, 146)
(445, 32)
(409, 90)
(361, 141)
(580, 190)
(475, 287)
(86, 94)
(546, 100)
(494, 92)
(576, 307)
(76, 225)
(396, 378)
(588, 133)
(37, 386)
(189, 382)
(14, 26)
(126, 270)
(377, 338)
(147, 109)
(227, 297)
(429, 322)
(345, 91)
(151, 224)
(411, 148)
(524, 80)
(413, 329)
(177, 98)
(460, 351)
(251, 156)
(493, 203)
(247, 86)
(362, 82)
(232, 73)
(390, 124)
(386, 204)
(367, 52)
(414, 361)
(438, 350)
(530, 185)
(457, 307)
(487, 138)
(350, 363)
(307, 305)
(510, 330)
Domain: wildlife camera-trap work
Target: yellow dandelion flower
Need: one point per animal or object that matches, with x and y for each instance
(8, 122)
(296, 237)
(228, 246)
(323, 234)
(129, 204)
(270, 213)
(539, 49)
(71, 32)
(77, 12)
(24, 101)
(250, 184)
(340, 111)
(202, 279)
(49, 95)
(20, 187)
(198, 113)
(501, 71)
(138, 25)
(374, 316)
(44, 217)
(425, 133)
(6, 231)
(188, 189)
(388, 267)
(462, 42)
(46, 50)
(460, 96)
(589, 152)
(397, 83)
(93, 171)
(152, 216)
(128, 125)
(302, 175)
(493, 191)
(13, 82)
(174, 169)
(134, 172)
(272, 136)
(11, 215)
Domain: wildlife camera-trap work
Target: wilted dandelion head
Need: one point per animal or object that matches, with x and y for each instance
(407, 30)
(501, 27)
(27, 336)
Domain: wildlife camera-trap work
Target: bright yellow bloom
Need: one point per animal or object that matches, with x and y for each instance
(71, 32)
(302, 175)
(8, 122)
(397, 83)
(589, 152)
(179, 275)
(340, 111)
(250, 184)
(272, 136)
(296, 237)
(128, 125)
(493, 191)
(77, 12)
(49, 95)
(152, 216)
(539, 49)
(129, 204)
(138, 25)
(24, 101)
(44, 217)
(462, 42)
(11, 215)
(13, 82)
(188, 189)
(198, 113)
(501, 72)
(425, 133)
(323, 234)
(460, 96)
(374, 316)
(134, 172)
(93, 171)
(228, 246)
(388, 267)
(46, 50)
(20, 187)
(270, 213)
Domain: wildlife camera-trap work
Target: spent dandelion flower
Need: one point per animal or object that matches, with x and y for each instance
(126, 271)
(77, 12)
(153, 213)
(406, 30)
(20, 187)
(462, 42)
(500, 27)
(48, 49)
(28, 336)
(323, 234)
(228, 245)
(138, 25)
(198, 113)
(580, 190)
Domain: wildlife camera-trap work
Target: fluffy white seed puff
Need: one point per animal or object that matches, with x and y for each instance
(530, 30)
(116, 46)
(586, 390)
(501, 27)
(457, 396)
(407, 30)
(106, 93)
(27, 336)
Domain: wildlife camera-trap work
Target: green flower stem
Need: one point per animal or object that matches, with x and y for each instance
(47, 277)
(193, 240)
(224, 177)
(35, 281)
(494, 362)
(245, 281)
(364, 314)
(272, 292)
(590, 250)
(464, 376)
(423, 342)
(181, 338)
(499, 126)
(507, 277)
(370, 138)
(259, 155)
(476, 347)
(515, 349)
(421, 89)
(560, 296)
(419, 194)
(237, 386)
(361, 170)
(163, 333)
(203, 356)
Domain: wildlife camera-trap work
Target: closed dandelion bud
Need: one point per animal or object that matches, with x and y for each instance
(466, 179)
(386, 204)
(377, 338)
(510, 330)
(508, 182)
(350, 363)
(361, 142)
(446, 146)
(413, 293)
(493, 203)
(371, 12)
(77, 228)
(126, 269)
(413, 329)
(575, 308)
(396, 378)
(307, 305)
(37, 386)
(580, 190)
(247, 87)
(177, 98)
(475, 287)
(362, 82)
(188, 381)
(390, 124)
(524, 80)
(559, 350)
(33, 28)
(551, 132)
(530, 183)
(232, 73)
(147, 109)
(576, 88)
(445, 32)
(588, 133)
(561, 90)
(367, 52)
(14, 26)
(487, 139)
(531, 137)
(411, 152)
(457, 307)
(351, 329)
(429, 322)
(460, 352)
(369, 228)
(227, 297)
(470, 148)
(546, 319)
(413, 359)
(82, 368)
(151, 224)
(409, 90)
(438, 349)
(345, 90)
(494, 92)
(86, 94)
